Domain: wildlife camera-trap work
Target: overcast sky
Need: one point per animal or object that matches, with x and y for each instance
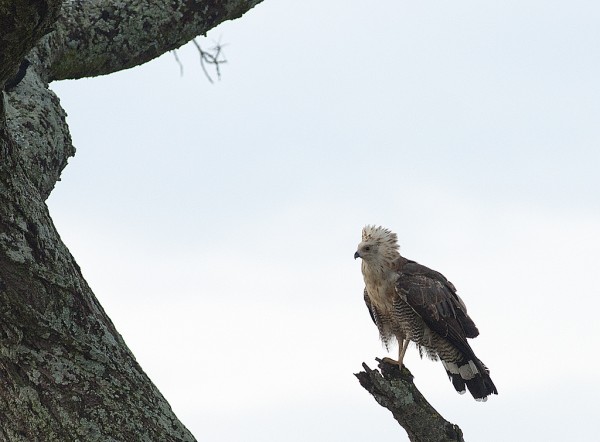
(217, 223)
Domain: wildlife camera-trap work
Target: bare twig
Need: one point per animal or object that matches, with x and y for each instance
(178, 62)
(214, 57)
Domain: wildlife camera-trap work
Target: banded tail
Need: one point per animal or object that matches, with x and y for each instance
(474, 375)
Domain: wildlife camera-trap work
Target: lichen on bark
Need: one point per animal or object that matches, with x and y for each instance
(65, 371)
(394, 389)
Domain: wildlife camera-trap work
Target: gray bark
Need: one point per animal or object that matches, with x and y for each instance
(65, 372)
(22, 24)
(394, 389)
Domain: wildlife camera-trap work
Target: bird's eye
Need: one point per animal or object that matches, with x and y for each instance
(368, 248)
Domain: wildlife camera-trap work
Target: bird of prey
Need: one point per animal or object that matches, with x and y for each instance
(412, 303)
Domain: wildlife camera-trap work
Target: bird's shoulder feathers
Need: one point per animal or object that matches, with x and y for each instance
(434, 298)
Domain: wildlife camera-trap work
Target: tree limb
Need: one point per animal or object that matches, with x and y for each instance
(38, 125)
(90, 38)
(22, 24)
(100, 37)
(65, 372)
(395, 390)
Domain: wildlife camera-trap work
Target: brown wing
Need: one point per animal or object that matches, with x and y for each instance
(369, 306)
(435, 300)
(381, 321)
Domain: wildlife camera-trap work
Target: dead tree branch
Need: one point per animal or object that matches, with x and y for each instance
(394, 389)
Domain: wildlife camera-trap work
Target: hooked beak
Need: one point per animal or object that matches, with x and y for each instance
(356, 255)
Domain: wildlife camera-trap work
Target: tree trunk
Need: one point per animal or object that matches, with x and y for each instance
(395, 390)
(65, 372)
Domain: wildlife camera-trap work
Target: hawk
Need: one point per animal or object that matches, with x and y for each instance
(410, 302)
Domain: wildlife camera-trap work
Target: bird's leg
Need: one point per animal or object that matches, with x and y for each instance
(401, 351)
(402, 346)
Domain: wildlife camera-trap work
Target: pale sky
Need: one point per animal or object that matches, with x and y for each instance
(217, 223)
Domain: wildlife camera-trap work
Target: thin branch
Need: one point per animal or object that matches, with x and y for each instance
(213, 57)
(394, 389)
(178, 62)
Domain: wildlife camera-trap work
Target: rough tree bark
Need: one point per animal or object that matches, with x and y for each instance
(395, 390)
(65, 372)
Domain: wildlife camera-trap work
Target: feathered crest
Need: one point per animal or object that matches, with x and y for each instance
(381, 236)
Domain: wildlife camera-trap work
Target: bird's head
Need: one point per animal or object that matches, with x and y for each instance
(378, 246)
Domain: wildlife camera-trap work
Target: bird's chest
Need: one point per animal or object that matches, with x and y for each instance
(395, 314)
(381, 290)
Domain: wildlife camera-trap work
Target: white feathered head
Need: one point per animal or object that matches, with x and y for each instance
(378, 245)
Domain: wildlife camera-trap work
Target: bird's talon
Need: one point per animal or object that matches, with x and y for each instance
(391, 361)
